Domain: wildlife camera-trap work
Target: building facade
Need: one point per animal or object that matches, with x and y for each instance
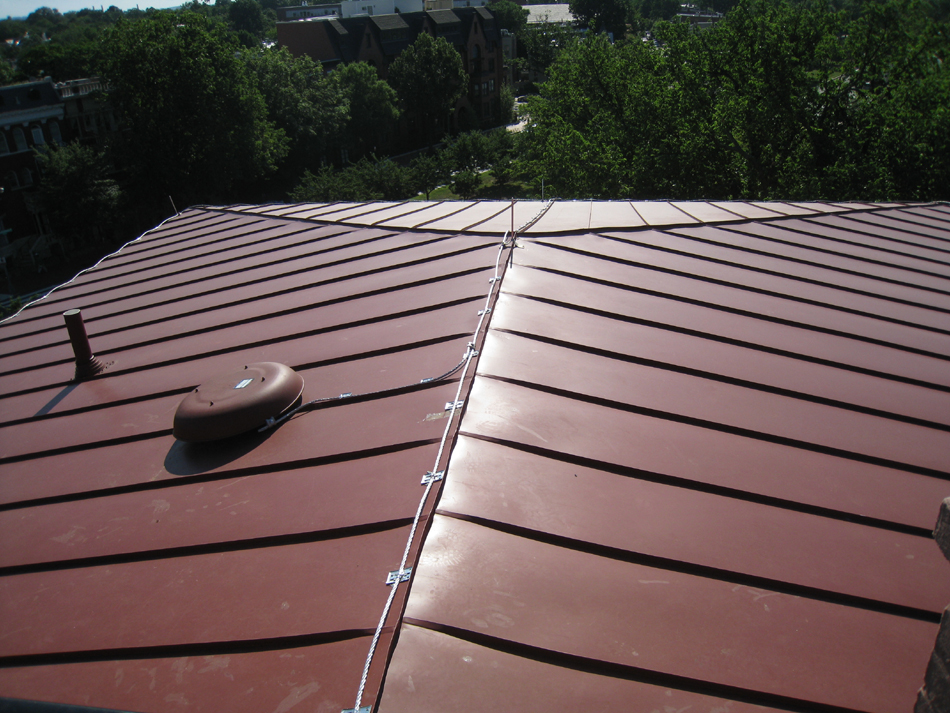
(35, 115)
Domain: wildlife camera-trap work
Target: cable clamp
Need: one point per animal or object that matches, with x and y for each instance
(452, 405)
(493, 280)
(431, 477)
(346, 395)
(484, 311)
(363, 709)
(399, 575)
(426, 380)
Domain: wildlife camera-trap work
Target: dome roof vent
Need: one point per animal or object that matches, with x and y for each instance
(237, 402)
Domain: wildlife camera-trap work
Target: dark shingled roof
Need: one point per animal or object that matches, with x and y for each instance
(389, 22)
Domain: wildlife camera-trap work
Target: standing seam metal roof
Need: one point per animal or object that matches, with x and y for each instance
(697, 465)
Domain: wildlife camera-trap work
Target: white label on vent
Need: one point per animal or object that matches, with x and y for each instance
(244, 383)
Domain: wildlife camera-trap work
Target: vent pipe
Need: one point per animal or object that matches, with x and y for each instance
(86, 363)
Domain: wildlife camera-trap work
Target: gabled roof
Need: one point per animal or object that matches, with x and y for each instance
(389, 22)
(443, 17)
(694, 462)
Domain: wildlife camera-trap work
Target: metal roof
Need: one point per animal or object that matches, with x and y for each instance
(699, 454)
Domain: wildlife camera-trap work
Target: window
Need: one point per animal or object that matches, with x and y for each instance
(55, 132)
(38, 137)
(491, 65)
(10, 180)
(19, 139)
(4, 148)
(491, 85)
(27, 177)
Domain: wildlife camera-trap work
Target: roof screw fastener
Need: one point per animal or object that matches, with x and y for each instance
(86, 363)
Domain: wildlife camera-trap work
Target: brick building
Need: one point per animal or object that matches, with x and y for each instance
(34, 115)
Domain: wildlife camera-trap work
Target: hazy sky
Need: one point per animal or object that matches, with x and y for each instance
(22, 8)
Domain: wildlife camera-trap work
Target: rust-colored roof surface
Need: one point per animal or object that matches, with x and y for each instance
(700, 450)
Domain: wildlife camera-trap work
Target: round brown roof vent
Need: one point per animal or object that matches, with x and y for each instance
(237, 402)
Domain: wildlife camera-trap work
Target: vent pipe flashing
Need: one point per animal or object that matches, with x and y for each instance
(86, 363)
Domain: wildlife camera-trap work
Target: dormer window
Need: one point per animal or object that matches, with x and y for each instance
(19, 139)
(55, 132)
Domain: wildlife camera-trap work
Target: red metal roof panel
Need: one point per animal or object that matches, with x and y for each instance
(652, 619)
(433, 672)
(693, 467)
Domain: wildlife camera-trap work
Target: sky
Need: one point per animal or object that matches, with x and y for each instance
(22, 8)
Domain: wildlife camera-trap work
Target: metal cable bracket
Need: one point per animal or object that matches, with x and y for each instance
(431, 477)
(399, 575)
(452, 405)
(364, 709)
(484, 311)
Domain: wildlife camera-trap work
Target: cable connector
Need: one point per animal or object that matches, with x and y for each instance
(431, 477)
(399, 575)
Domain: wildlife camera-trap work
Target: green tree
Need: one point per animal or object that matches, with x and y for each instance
(59, 61)
(303, 102)
(604, 15)
(373, 109)
(540, 44)
(364, 181)
(429, 78)
(769, 104)
(429, 171)
(471, 151)
(197, 119)
(466, 183)
(509, 16)
(246, 16)
(78, 195)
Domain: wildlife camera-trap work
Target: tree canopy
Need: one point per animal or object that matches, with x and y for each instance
(302, 101)
(608, 15)
(429, 78)
(373, 109)
(509, 16)
(77, 195)
(777, 101)
(198, 122)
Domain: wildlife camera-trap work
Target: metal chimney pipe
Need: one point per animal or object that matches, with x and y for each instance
(86, 363)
